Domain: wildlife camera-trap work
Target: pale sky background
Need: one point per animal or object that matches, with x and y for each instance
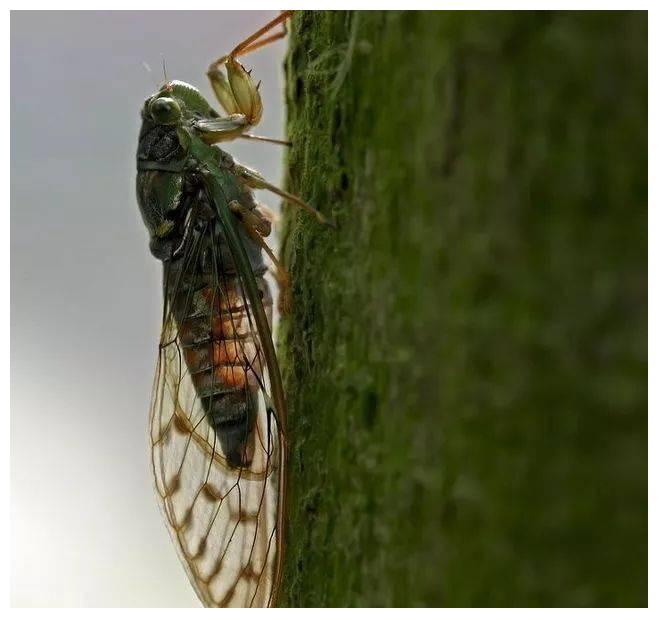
(86, 297)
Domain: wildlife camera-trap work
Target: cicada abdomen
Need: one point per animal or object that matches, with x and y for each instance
(219, 341)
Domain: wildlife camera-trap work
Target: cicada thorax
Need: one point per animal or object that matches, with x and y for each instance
(162, 191)
(218, 338)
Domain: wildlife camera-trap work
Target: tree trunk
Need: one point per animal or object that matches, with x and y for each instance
(465, 359)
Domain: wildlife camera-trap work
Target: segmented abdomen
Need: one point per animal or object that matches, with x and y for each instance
(221, 349)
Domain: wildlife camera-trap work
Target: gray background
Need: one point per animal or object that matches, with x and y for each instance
(85, 295)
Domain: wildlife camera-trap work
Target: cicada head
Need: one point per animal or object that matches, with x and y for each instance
(167, 116)
(176, 103)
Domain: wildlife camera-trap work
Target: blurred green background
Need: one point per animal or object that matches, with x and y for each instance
(466, 359)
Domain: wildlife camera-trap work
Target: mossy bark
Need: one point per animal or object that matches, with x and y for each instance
(466, 360)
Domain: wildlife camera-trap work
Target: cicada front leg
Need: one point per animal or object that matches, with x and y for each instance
(235, 89)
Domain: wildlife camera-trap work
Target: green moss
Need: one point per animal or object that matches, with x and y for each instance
(466, 358)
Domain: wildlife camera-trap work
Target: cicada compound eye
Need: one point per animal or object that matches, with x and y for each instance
(165, 110)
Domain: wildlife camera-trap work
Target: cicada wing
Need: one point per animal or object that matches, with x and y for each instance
(223, 520)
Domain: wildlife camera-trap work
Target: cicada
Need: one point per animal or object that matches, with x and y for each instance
(218, 412)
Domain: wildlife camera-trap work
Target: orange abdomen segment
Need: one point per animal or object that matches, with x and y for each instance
(219, 346)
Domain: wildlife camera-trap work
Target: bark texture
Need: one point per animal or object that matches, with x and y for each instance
(466, 357)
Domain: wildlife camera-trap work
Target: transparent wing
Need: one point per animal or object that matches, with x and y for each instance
(223, 518)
